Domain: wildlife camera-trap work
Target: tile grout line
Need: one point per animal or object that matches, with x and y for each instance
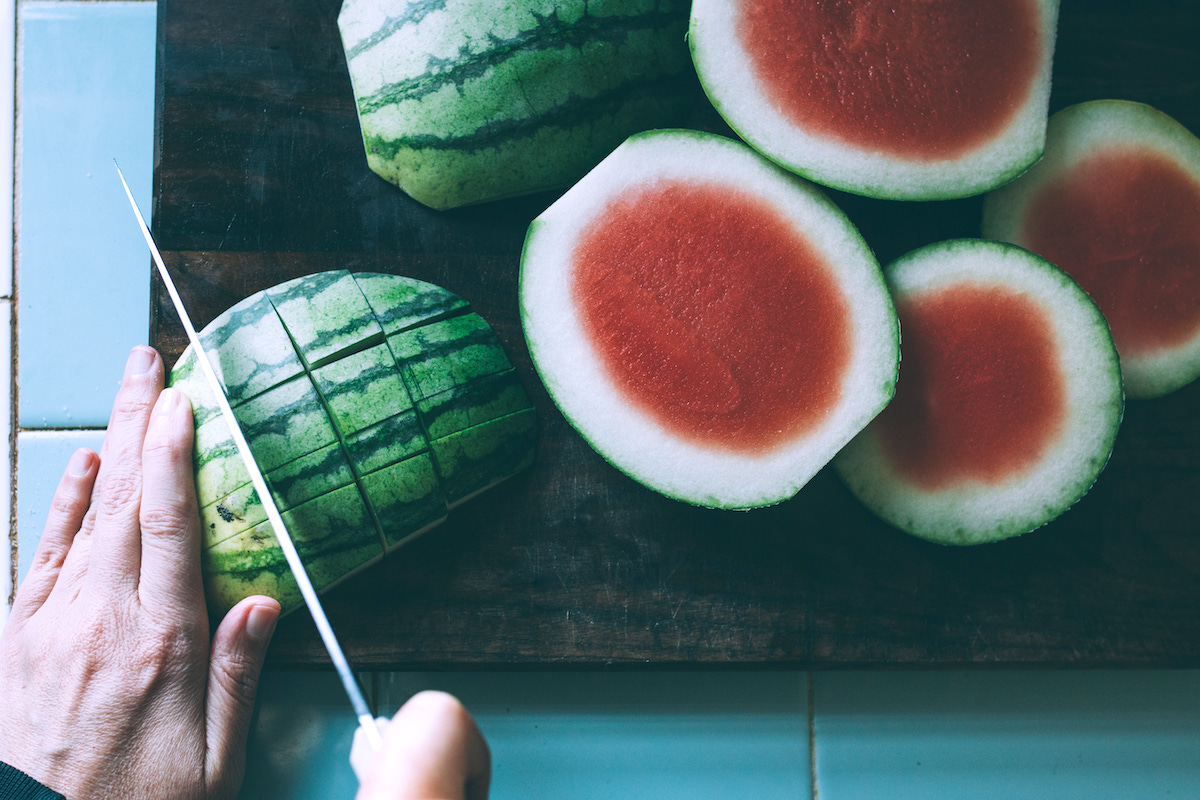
(14, 302)
(812, 737)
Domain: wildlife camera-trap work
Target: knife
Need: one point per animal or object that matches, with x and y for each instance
(369, 727)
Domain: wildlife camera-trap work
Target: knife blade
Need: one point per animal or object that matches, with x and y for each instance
(368, 726)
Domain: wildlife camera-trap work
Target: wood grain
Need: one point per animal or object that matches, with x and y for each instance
(260, 177)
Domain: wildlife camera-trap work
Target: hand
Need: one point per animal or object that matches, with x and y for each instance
(432, 750)
(108, 682)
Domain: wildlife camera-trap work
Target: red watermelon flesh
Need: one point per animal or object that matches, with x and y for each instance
(711, 324)
(681, 288)
(926, 81)
(1116, 203)
(980, 394)
(905, 99)
(1008, 400)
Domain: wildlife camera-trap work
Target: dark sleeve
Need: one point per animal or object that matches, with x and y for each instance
(16, 785)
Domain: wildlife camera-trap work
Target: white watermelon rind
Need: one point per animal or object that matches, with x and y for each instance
(972, 512)
(726, 74)
(633, 442)
(1073, 134)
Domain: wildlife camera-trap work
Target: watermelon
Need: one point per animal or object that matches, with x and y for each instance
(709, 322)
(902, 100)
(1116, 203)
(372, 403)
(1008, 401)
(465, 101)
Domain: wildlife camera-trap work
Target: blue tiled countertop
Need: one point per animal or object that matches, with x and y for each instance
(86, 97)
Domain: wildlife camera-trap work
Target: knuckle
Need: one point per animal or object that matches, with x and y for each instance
(167, 446)
(120, 491)
(166, 520)
(237, 675)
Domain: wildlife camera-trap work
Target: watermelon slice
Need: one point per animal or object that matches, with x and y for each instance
(912, 100)
(373, 404)
(1116, 203)
(710, 323)
(1008, 401)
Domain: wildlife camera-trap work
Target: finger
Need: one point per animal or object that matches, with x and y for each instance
(432, 750)
(67, 510)
(238, 650)
(117, 546)
(169, 518)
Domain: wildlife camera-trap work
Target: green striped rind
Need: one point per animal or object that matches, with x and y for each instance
(250, 350)
(464, 101)
(362, 389)
(473, 460)
(472, 403)
(326, 314)
(435, 358)
(399, 305)
(392, 440)
(285, 423)
(294, 483)
(407, 498)
(349, 491)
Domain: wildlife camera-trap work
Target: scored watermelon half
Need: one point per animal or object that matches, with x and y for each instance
(1116, 203)
(1008, 400)
(913, 100)
(710, 323)
(372, 404)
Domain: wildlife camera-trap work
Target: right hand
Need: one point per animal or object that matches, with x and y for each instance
(432, 750)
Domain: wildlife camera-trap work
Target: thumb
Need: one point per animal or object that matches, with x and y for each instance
(238, 650)
(432, 750)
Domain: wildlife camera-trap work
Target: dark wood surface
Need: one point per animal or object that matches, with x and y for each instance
(260, 177)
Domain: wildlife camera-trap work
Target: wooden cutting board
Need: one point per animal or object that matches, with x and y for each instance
(260, 177)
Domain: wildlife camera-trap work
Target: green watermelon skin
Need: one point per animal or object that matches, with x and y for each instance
(394, 403)
(966, 505)
(466, 101)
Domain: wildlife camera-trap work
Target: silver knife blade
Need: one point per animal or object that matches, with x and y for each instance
(365, 718)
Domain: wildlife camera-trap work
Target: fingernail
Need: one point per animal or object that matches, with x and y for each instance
(167, 403)
(260, 624)
(80, 463)
(141, 359)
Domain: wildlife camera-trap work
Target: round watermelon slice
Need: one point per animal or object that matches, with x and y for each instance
(1008, 401)
(710, 323)
(913, 100)
(1116, 203)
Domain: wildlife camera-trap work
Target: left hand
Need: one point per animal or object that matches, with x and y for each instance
(109, 684)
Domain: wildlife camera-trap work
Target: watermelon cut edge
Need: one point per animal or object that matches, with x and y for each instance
(726, 75)
(973, 511)
(632, 441)
(1074, 134)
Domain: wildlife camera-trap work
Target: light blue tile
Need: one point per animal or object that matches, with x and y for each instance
(41, 458)
(660, 735)
(300, 739)
(83, 268)
(1007, 735)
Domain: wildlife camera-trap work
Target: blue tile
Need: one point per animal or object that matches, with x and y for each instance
(83, 267)
(300, 739)
(633, 735)
(41, 458)
(1006, 735)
